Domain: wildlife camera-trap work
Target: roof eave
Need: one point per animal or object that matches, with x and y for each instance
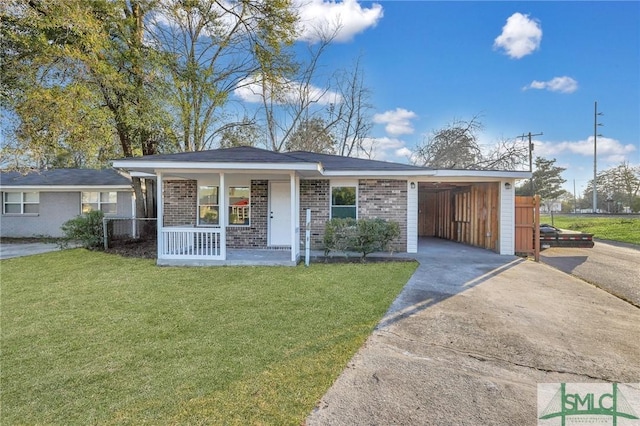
(64, 188)
(145, 166)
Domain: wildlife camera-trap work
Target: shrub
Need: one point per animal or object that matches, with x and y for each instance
(86, 229)
(363, 236)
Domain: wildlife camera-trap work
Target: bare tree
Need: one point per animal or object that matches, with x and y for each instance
(243, 133)
(506, 154)
(456, 146)
(212, 47)
(351, 118)
(289, 99)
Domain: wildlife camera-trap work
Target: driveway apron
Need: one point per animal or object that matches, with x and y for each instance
(470, 337)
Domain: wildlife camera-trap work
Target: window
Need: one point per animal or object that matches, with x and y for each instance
(239, 205)
(105, 201)
(343, 202)
(21, 203)
(208, 208)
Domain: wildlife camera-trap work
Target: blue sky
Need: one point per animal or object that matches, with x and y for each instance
(522, 66)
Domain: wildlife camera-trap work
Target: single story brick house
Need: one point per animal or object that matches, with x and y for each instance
(37, 203)
(212, 203)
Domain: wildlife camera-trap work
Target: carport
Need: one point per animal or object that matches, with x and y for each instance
(465, 212)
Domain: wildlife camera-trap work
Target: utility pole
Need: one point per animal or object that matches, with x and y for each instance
(595, 151)
(531, 156)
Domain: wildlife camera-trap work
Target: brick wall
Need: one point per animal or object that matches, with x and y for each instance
(314, 195)
(180, 202)
(254, 235)
(385, 199)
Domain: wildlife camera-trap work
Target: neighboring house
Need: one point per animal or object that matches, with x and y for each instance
(249, 198)
(37, 203)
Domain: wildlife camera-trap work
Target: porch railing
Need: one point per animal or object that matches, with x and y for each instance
(190, 243)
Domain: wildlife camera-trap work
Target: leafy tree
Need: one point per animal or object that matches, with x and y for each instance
(97, 46)
(311, 135)
(546, 181)
(64, 127)
(617, 187)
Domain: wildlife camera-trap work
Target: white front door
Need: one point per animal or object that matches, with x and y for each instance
(280, 214)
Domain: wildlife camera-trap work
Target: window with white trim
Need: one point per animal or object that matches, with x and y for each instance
(105, 201)
(239, 205)
(21, 203)
(208, 205)
(343, 202)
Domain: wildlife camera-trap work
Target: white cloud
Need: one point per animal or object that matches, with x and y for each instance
(562, 84)
(520, 36)
(397, 121)
(320, 18)
(610, 150)
(385, 149)
(250, 90)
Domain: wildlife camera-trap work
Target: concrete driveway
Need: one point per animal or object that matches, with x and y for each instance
(471, 336)
(612, 266)
(8, 251)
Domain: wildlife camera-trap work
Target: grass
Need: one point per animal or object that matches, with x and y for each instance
(96, 338)
(614, 228)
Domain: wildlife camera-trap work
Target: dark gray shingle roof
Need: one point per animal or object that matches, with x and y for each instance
(64, 177)
(246, 154)
(337, 162)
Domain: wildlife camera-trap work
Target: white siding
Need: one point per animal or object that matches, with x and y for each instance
(507, 218)
(412, 217)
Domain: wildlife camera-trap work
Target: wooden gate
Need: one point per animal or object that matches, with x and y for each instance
(527, 223)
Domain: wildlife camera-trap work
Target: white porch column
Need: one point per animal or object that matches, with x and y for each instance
(222, 215)
(160, 213)
(412, 215)
(507, 224)
(295, 217)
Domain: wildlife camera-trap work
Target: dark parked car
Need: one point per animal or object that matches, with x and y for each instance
(550, 236)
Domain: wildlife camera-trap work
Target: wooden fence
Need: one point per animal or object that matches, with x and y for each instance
(527, 222)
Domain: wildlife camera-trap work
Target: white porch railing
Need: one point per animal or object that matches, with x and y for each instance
(191, 243)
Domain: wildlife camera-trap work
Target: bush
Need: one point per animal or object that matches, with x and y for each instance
(363, 236)
(86, 229)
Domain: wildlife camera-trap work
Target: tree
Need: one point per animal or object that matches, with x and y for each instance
(453, 147)
(211, 48)
(128, 54)
(244, 133)
(351, 117)
(456, 146)
(62, 127)
(617, 187)
(98, 46)
(546, 181)
(311, 135)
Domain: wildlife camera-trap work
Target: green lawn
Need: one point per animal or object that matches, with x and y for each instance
(615, 228)
(95, 338)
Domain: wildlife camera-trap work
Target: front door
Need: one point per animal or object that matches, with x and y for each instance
(280, 214)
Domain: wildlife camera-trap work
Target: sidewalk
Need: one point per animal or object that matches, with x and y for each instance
(8, 251)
